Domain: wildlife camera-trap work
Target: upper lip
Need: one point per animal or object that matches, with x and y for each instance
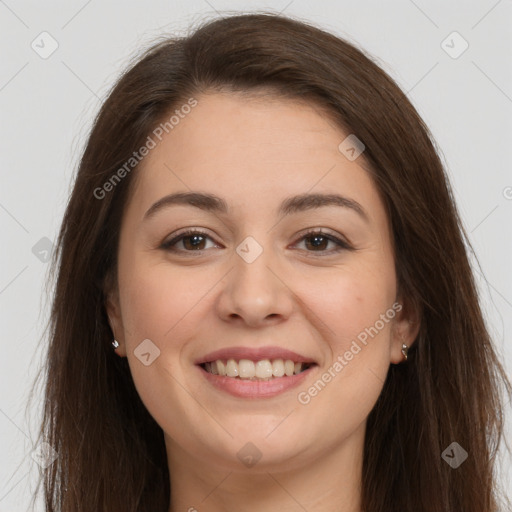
(254, 354)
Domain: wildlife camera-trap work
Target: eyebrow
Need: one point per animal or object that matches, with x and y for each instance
(293, 204)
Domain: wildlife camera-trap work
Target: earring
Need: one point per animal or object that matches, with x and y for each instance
(405, 349)
(115, 344)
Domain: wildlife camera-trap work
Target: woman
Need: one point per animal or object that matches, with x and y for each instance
(261, 227)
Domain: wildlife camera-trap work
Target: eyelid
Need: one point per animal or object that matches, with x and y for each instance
(180, 234)
(341, 242)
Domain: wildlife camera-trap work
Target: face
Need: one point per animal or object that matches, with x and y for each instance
(259, 274)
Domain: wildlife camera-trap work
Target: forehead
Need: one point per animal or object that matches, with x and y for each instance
(252, 150)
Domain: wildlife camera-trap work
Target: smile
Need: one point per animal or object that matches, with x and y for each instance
(255, 370)
(247, 384)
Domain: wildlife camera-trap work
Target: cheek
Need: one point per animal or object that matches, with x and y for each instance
(160, 303)
(354, 311)
(157, 300)
(348, 300)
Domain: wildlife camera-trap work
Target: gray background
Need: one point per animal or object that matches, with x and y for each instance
(47, 105)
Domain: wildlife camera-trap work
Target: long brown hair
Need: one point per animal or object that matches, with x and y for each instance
(111, 452)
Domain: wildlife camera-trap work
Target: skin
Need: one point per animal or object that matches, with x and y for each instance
(254, 153)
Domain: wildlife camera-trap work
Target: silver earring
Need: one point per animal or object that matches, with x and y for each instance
(115, 344)
(405, 349)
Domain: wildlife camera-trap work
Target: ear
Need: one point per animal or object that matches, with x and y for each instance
(405, 328)
(113, 309)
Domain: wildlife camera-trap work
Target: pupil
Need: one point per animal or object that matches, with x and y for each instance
(317, 241)
(195, 240)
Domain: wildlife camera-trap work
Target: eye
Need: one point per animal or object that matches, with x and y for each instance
(318, 240)
(192, 240)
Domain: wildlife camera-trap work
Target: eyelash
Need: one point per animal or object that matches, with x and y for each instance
(342, 245)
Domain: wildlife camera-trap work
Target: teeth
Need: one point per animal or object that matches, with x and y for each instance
(264, 369)
(231, 368)
(278, 368)
(221, 367)
(247, 369)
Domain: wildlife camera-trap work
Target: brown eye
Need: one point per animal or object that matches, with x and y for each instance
(318, 241)
(194, 242)
(191, 241)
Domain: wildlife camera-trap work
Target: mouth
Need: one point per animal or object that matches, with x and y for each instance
(255, 373)
(262, 370)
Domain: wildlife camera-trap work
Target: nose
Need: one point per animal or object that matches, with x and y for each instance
(255, 293)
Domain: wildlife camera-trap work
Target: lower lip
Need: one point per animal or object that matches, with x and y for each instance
(245, 388)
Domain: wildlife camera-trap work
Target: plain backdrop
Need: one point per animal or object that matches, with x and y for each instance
(47, 103)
